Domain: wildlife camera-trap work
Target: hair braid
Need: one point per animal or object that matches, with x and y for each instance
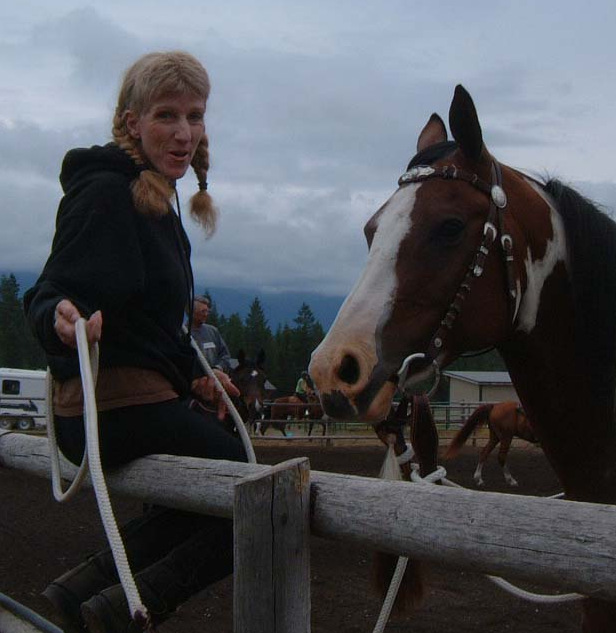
(202, 207)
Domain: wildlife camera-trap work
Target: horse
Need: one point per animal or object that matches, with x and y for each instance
(470, 254)
(505, 421)
(249, 377)
(292, 407)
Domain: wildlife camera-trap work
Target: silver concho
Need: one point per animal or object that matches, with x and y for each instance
(414, 173)
(499, 197)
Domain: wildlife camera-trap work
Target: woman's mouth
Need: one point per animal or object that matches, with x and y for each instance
(179, 155)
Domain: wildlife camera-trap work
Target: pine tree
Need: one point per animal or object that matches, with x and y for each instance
(257, 334)
(305, 336)
(232, 331)
(281, 369)
(18, 347)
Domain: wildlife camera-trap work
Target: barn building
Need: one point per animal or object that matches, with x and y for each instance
(480, 386)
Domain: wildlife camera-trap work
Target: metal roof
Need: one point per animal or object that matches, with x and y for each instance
(496, 378)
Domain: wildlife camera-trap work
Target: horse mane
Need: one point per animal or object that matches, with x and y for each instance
(591, 239)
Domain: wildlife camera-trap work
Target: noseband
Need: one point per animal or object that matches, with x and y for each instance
(492, 228)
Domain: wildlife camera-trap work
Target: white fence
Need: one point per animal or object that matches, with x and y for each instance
(568, 545)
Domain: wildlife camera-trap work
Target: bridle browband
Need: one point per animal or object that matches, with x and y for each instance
(492, 228)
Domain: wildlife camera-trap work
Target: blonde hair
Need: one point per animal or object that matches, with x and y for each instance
(150, 77)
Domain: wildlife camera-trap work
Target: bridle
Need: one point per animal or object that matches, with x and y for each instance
(492, 228)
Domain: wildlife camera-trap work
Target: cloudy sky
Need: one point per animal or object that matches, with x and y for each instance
(315, 111)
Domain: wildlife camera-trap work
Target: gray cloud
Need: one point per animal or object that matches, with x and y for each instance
(315, 111)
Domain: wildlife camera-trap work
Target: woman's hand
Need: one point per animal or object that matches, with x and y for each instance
(205, 389)
(65, 318)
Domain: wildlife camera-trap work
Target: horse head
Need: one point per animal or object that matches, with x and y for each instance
(432, 287)
(249, 377)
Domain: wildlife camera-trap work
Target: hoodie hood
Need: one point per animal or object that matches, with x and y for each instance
(79, 163)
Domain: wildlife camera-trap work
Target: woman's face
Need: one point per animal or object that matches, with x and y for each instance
(169, 132)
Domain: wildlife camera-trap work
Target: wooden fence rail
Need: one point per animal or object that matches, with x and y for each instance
(562, 544)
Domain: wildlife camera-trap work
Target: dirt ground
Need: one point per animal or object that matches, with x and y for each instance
(40, 539)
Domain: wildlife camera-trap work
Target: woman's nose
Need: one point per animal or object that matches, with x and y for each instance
(182, 131)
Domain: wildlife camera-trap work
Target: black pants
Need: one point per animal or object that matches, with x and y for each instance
(170, 428)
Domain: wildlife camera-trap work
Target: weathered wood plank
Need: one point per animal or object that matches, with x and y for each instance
(560, 543)
(272, 558)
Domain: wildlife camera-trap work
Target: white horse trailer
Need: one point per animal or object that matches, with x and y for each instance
(23, 398)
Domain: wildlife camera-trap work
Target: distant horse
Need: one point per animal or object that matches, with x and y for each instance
(505, 421)
(470, 254)
(249, 377)
(286, 408)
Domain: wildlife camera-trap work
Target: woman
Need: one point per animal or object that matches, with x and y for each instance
(303, 388)
(121, 259)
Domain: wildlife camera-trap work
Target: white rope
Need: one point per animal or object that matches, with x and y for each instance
(88, 364)
(391, 471)
(237, 418)
(440, 475)
(88, 367)
(54, 456)
(392, 592)
(407, 456)
(533, 597)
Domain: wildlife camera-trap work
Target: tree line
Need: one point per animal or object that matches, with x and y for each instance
(287, 349)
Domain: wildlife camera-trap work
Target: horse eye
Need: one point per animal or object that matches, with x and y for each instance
(450, 230)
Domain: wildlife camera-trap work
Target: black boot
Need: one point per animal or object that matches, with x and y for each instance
(204, 558)
(146, 538)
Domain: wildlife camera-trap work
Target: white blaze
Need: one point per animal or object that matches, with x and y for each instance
(538, 270)
(371, 298)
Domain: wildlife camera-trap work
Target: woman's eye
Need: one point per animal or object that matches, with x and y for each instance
(450, 230)
(164, 115)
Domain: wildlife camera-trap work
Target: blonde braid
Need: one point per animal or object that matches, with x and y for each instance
(202, 207)
(151, 191)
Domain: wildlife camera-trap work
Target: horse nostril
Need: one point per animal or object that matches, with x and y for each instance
(349, 370)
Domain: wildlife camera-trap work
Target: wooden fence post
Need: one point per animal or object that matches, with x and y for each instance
(272, 550)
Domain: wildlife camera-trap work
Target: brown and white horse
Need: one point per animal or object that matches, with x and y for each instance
(250, 378)
(468, 254)
(505, 420)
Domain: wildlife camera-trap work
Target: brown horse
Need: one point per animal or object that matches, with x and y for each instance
(286, 408)
(505, 421)
(469, 254)
(250, 378)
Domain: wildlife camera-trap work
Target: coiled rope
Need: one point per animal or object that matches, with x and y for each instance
(88, 365)
(440, 474)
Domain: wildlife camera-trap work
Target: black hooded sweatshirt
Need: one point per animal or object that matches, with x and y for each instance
(132, 266)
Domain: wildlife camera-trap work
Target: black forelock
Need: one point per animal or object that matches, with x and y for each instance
(433, 153)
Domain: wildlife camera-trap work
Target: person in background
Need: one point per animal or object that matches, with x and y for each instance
(304, 387)
(120, 258)
(208, 338)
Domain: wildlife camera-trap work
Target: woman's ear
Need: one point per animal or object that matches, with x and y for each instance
(133, 124)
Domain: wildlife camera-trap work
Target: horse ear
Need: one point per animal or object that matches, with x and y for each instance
(261, 358)
(241, 357)
(464, 125)
(433, 132)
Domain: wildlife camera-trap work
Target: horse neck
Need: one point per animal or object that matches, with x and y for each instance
(572, 417)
